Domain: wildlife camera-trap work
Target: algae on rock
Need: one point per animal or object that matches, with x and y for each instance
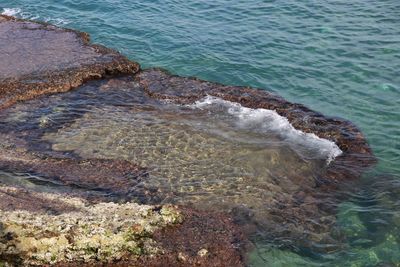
(350, 222)
(102, 232)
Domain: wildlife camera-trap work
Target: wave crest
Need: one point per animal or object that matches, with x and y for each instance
(17, 12)
(269, 121)
(11, 11)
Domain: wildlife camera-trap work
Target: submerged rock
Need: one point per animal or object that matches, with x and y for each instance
(143, 139)
(113, 137)
(349, 221)
(357, 156)
(116, 176)
(275, 257)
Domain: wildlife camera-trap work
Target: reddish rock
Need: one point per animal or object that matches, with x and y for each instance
(202, 239)
(39, 58)
(116, 176)
(357, 155)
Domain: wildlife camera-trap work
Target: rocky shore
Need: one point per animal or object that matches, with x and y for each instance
(59, 230)
(98, 218)
(39, 58)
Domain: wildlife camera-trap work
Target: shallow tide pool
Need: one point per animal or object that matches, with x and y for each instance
(339, 58)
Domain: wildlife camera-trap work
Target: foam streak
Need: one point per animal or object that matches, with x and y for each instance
(265, 120)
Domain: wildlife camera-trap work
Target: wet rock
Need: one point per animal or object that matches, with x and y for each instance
(38, 58)
(116, 176)
(265, 188)
(293, 207)
(268, 191)
(214, 241)
(101, 232)
(13, 198)
(357, 155)
(110, 234)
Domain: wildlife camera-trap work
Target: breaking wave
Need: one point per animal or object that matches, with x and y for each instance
(269, 121)
(18, 13)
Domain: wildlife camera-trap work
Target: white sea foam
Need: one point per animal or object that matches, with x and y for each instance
(11, 11)
(17, 12)
(269, 121)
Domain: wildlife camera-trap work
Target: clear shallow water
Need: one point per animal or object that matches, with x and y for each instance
(341, 58)
(212, 155)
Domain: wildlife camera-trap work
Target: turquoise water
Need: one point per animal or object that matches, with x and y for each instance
(341, 58)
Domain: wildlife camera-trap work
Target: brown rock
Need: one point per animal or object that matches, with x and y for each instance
(117, 176)
(357, 155)
(38, 58)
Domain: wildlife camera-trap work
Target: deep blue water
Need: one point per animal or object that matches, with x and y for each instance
(341, 58)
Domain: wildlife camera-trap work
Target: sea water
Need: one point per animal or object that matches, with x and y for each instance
(338, 57)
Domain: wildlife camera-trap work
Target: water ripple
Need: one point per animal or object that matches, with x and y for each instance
(339, 57)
